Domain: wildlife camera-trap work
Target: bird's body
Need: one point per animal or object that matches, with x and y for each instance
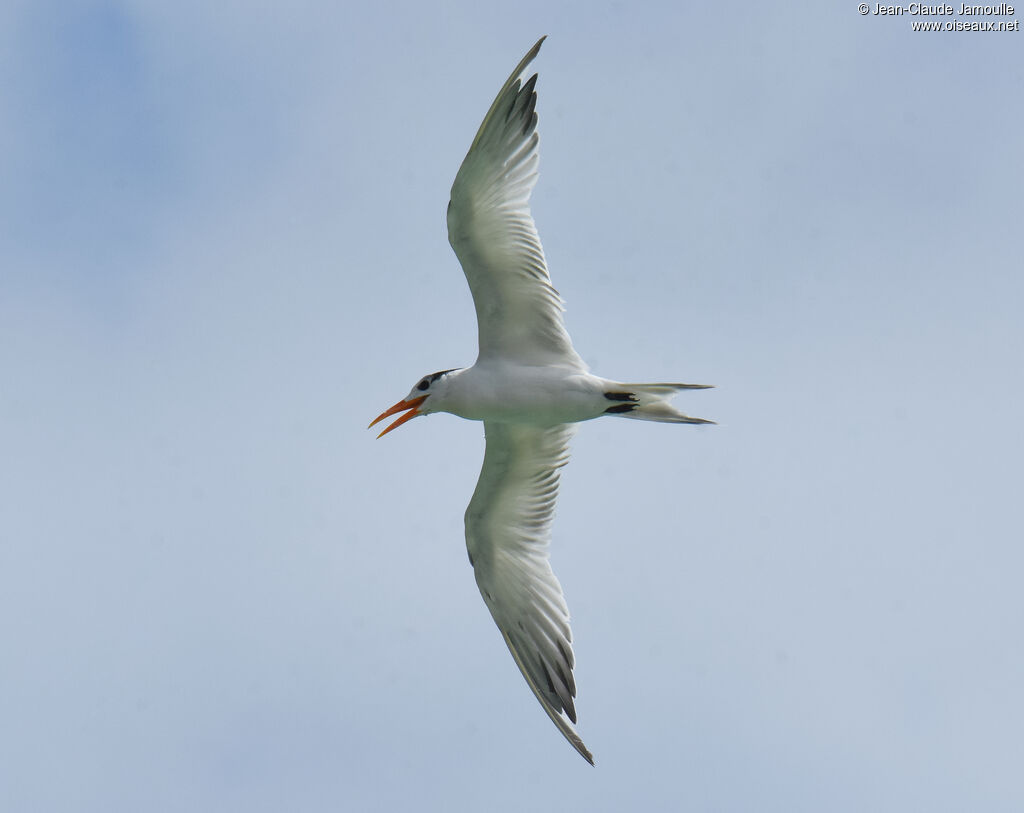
(510, 393)
(501, 390)
(530, 388)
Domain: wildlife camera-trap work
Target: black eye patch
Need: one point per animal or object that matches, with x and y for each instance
(424, 384)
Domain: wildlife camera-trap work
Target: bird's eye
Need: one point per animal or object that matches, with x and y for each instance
(424, 384)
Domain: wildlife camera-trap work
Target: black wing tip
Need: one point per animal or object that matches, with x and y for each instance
(550, 708)
(523, 105)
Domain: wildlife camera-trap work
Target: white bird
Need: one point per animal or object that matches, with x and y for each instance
(529, 387)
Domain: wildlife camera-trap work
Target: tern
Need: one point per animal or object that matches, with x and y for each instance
(530, 389)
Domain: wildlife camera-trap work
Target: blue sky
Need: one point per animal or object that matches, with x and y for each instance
(222, 252)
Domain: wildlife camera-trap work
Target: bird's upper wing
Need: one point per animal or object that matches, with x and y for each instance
(508, 528)
(518, 312)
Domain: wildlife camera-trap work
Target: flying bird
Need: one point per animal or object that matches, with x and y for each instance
(530, 389)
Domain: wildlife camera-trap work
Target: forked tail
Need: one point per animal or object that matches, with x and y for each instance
(649, 402)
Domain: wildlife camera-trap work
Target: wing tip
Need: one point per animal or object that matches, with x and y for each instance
(512, 80)
(560, 722)
(536, 47)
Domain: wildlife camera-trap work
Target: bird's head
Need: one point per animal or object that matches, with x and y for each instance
(424, 398)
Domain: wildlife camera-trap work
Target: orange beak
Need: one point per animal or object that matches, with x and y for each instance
(401, 406)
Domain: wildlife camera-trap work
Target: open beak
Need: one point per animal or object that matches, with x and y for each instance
(401, 406)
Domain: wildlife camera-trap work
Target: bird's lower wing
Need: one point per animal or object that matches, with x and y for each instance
(508, 529)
